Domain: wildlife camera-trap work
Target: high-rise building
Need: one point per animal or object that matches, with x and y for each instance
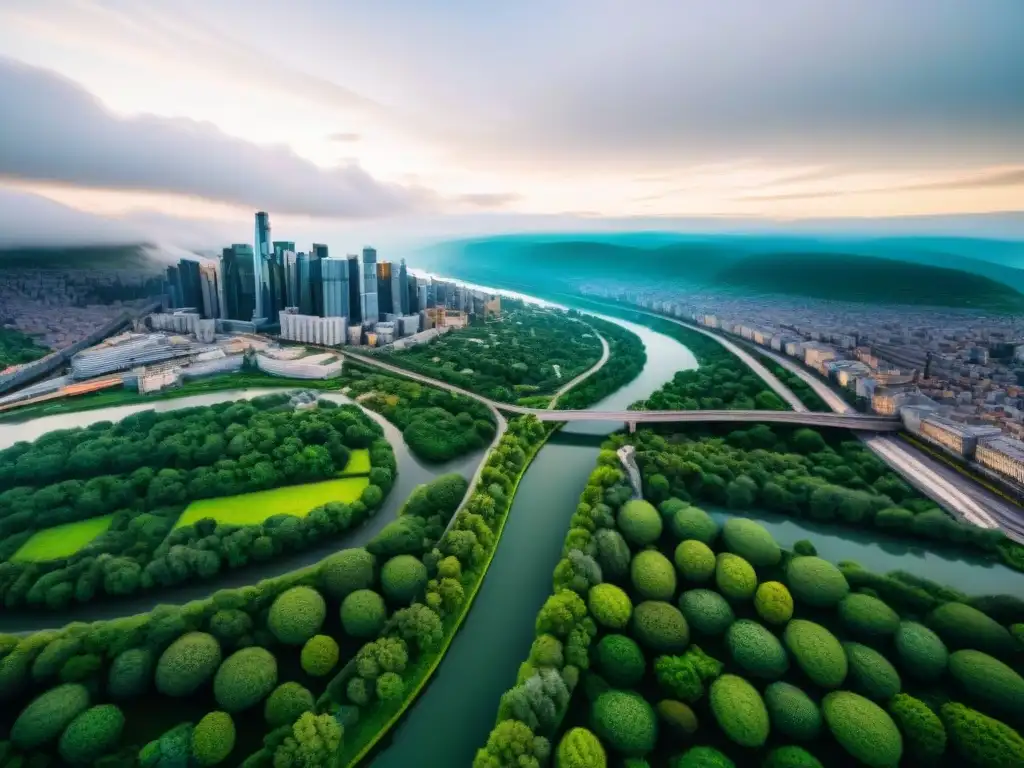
(354, 288)
(403, 288)
(412, 293)
(423, 296)
(305, 292)
(191, 287)
(385, 298)
(370, 311)
(316, 278)
(174, 288)
(335, 287)
(210, 291)
(263, 254)
(291, 278)
(238, 267)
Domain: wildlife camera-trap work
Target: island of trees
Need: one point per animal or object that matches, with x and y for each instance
(17, 348)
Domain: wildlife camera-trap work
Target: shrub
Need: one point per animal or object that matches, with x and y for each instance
(403, 578)
(580, 748)
(187, 664)
(816, 582)
(735, 577)
(653, 576)
(702, 757)
(980, 740)
(739, 710)
(804, 548)
(817, 652)
(639, 522)
(684, 676)
(988, 681)
(547, 651)
(92, 734)
(319, 655)
(868, 617)
(871, 674)
(313, 741)
(610, 606)
(921, 652)
(363, 613)
(773, 602)
(677, 717)
(863, 729)
(229, 625)
(286, 703)
(751, 541)
(706, 611)
(213, 738)
(792, 712)
(625, 721)
(660, 627)
(693, 523)
(612, 554)
(130, 674)
(296, 615)
(962, 626)
(790, 757)
(756, 650)
(347, 571)
(695, 560)
(923, 733)
(48, 715)
(620, 661)
(245, 678)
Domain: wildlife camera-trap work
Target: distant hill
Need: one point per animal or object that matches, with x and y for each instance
(142, 257)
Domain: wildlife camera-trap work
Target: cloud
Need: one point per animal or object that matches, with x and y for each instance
(489, 199)
(344, 137)
(31, 220)
(55, 131)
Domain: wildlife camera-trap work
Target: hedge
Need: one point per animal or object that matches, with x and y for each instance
(92, 734)
(739, 710)
(773, 602)
(871, 674)
(920, 651)
(660, 627)
(867, 617)
(213, 738)
(678, 717)
(609, 605)
(706, 611)
(363, 614)
(792, 712)
(653, 576)
(988, 681)
(962, 626)
(639, 522)
(403, 578)
(924, 736)
(695, 560)
(296, 615)
(816, 582)
(693, 523)
(620, 661)
(981, 740)
(131, 673)
(756, 650)
(245, 678)
(863, 729)
(751, 541)
(791, 757)
(612, 554)
(347, 571)
(286, 703)
(46, 716)
(817, 652)
(580, 748)
(187, 664)
(319, 655)
(735, 577)
(702, 757)
(625, 721)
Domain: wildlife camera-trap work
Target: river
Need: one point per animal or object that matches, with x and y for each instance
(411, 472)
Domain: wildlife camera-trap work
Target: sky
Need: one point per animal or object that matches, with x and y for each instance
(359, 121)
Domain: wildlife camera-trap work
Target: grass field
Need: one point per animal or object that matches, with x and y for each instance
(358, 463)
(61, 540)
(253, 508)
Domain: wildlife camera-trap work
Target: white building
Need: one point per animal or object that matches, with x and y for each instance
(1004, 455)
(355, 335)
(408, 325)
(314, 367)
(176, 322)
(310, 329)
(816, 354)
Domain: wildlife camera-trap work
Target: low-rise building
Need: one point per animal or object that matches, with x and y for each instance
(1004, 455)
(961, 439)
(313, 367)
(310, 329)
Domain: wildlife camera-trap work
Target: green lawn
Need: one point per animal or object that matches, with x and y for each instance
(61, 540)
(358, 463)
(253, 508)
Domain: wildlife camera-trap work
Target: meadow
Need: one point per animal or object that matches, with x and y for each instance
(61, 540)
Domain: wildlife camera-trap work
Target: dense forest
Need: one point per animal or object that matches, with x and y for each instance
(17, 348)
(144, 470)
(626, 358)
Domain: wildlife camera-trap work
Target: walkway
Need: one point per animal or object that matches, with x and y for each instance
(605, 352)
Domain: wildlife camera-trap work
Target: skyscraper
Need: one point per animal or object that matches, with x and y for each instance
(385, 297)
(370, 311)
(335, 287)
(354, 304)
(291, 278)
(210, 291)
(261, 266)
(173, 280)
(412, 292)
(191, 288)
(403, 289)
(316, 278)
(305, 293)
(238, 267)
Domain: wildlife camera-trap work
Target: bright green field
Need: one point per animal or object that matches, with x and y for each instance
(253, 508)
(61, 540)
(358, 463)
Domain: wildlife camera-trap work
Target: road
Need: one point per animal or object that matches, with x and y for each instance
(605, 352)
